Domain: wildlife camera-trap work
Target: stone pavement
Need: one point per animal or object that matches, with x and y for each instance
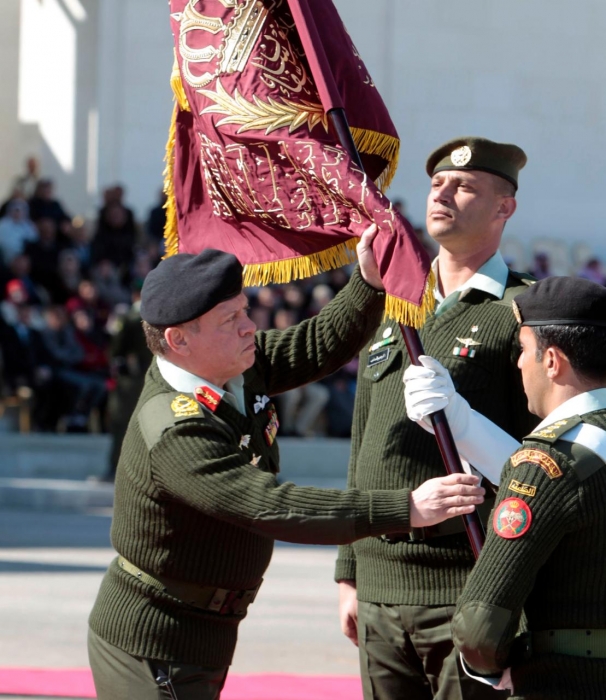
(51, 564)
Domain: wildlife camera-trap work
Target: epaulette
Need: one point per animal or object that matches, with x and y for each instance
(164, 411)
(553, 432)
(512, 292)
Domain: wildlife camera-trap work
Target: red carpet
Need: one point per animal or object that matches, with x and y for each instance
(78, 683)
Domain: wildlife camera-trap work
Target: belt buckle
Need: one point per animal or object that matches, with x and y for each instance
(226, 602)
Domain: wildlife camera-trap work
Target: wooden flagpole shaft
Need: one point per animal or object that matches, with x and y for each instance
(412, 340)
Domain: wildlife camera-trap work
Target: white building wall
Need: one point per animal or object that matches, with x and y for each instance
(529, 72)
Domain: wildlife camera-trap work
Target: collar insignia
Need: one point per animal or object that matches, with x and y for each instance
(255, 460)
(207, 397)
(184, 406)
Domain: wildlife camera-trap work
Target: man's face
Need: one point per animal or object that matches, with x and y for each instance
(224, 344)
(463, 210)
(534, 377)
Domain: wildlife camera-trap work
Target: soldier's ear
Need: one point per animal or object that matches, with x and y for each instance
(507, 207)
(176, 340)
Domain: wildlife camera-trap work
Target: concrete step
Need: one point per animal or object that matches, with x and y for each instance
(63, 472)
(48, 495)
(50, 456)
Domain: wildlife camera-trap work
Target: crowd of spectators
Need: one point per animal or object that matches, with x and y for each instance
(68, 284)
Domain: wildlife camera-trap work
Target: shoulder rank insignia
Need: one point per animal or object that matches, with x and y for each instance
(512, 518)
(541, 459)
(552, 432)
(207, 397)
(524, 489)
(184, 406)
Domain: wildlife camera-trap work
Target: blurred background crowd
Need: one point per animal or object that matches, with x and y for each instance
(72, 353)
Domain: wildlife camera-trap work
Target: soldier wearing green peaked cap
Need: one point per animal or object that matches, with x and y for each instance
(474, 153)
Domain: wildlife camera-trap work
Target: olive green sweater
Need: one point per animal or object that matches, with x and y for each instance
(389, 451)
(197, 499)
(553, 570)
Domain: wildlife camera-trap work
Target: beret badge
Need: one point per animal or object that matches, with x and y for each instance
(461, 156)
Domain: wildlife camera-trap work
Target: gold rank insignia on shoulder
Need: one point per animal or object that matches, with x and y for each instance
(184, 406)
(541, 459)
(461, 156)
(524, 489)
(551, 431)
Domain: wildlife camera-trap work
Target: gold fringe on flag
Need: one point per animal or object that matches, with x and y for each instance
(177, 86)
(171, 232)
(408, 314)
(284, 271)
(375, 144)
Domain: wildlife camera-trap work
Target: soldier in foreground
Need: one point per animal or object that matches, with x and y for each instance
(197, 504)
(546, 545)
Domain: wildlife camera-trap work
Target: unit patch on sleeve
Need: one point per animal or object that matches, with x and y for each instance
(512, 519)
(541, 459)
(524, 489)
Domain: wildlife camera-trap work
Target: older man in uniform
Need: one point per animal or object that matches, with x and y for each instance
(197, 502)
(398, 592)
(545, 552)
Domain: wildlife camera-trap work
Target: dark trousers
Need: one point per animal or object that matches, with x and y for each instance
(120, 676)
(406, 651)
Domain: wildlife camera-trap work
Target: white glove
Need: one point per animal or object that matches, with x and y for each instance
(429, 388)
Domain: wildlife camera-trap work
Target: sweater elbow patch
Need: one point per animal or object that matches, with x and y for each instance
(478, 630)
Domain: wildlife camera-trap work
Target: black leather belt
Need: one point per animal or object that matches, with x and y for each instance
(218, 600)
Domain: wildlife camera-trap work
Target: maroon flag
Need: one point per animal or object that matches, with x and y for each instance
(253, 168)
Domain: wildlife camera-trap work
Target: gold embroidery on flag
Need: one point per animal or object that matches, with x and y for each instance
(260, 115)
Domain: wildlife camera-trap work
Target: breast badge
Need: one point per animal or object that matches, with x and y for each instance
(271, 430)
(541, 459)
(468, 349)
(512, 519)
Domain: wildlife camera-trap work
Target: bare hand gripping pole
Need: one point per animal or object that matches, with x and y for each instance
(331, 101)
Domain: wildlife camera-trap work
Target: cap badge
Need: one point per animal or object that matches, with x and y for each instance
(184, 406)
(516, 311)
(261, 402)
(461, 156)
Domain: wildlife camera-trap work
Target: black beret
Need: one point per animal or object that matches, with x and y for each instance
(185, 286)
(562, 301)
(475, 153)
